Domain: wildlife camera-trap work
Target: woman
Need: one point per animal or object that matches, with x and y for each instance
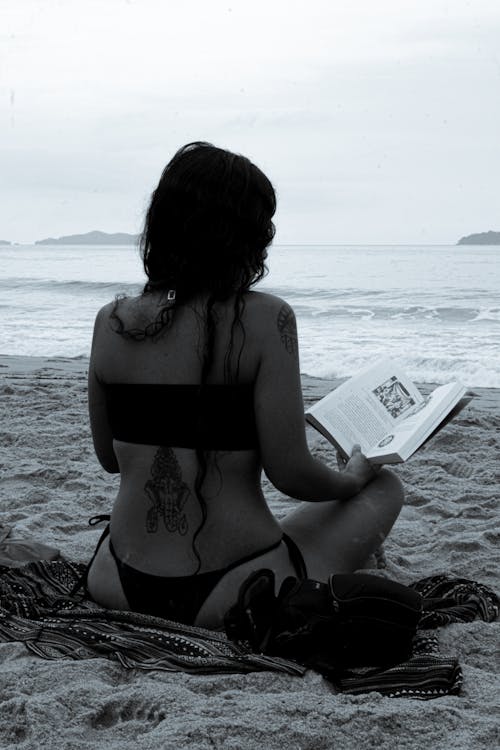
(194, 388)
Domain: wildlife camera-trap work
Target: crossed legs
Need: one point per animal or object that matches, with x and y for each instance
(334, 537)
(339, 536)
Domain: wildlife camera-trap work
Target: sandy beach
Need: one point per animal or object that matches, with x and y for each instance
(51, 483)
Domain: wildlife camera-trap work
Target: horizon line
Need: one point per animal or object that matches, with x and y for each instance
(278, 244)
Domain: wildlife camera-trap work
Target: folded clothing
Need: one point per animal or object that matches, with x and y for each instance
(17, 552)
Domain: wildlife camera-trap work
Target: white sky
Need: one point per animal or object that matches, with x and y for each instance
(377, 121)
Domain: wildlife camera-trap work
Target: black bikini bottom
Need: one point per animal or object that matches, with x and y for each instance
(180, 598)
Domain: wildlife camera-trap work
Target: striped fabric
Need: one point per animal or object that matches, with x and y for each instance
(36, 609)
(455, 600)
(425, 675)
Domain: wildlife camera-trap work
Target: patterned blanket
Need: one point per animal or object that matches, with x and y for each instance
(37, 609)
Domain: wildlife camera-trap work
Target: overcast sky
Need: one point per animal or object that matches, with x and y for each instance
(377, 121)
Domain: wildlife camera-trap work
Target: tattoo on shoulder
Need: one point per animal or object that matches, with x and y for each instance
(288, 329)
(168, 494)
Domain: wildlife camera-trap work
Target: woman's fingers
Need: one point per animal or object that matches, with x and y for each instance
(341, 461)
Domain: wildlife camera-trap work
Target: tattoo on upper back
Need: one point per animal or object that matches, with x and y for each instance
(288, 329)
(167, 492)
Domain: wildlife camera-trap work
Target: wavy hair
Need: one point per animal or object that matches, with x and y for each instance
(209, 223)
(207, 230)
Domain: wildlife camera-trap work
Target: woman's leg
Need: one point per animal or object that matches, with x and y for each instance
(334, 537)
(339, 536)
(103, 581)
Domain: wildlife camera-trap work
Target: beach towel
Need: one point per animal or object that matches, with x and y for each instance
(36, 609)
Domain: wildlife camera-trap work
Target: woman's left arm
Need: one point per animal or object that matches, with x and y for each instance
(99, 423)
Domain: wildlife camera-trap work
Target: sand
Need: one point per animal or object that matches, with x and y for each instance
(51, 482)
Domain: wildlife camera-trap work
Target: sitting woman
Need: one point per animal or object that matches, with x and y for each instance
(194, 388)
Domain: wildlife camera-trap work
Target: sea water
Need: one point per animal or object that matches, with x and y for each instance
(436, 309)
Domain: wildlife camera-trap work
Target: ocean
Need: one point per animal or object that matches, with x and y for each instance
(436, 309)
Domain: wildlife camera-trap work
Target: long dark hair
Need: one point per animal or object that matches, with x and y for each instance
(207, 230)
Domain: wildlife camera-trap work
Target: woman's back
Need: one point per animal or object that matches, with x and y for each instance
(140, 384)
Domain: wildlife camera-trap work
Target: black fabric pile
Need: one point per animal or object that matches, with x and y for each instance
(427, 674)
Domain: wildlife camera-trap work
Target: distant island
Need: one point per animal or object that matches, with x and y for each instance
(92, 238)
(5, 242)
(483, 238)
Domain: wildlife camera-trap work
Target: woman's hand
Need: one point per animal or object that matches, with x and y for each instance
(360, 468)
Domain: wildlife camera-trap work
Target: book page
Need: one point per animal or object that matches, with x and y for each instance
(407, 435)
(352, 420)
(387, 386)
(367, 407)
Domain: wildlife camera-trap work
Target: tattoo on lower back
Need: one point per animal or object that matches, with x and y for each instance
(288, 329)
(168, 494)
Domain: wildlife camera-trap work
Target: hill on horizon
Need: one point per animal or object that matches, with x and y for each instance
(482, 238)
(92, 238)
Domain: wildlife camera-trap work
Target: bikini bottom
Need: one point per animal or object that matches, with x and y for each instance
(180, 598)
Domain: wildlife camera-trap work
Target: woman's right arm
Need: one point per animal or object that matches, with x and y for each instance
(279, 408)
(99, 423)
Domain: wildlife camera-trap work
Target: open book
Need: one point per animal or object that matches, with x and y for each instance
(383, 411)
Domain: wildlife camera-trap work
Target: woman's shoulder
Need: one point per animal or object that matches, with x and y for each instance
(127, 309)
(105, 312)
(265, 304)
(265, 313)
(266, 317)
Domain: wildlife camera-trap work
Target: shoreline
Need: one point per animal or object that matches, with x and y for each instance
(15, 366)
